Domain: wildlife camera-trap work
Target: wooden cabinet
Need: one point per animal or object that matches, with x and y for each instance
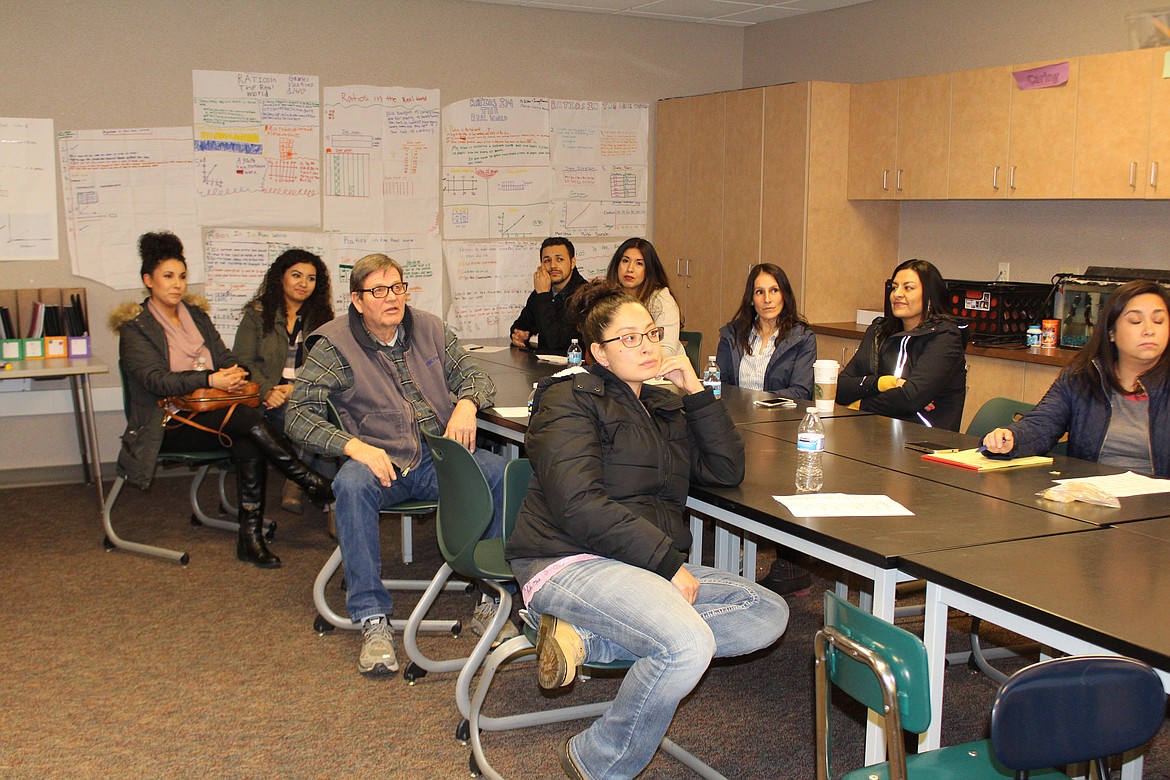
(743, 182)
(898, 138)
(980, 121)
(1157, 173)
(1040, 145)
(1113, 125)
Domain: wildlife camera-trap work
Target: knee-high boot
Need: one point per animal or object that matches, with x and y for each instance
(251, 476)
(281, 454)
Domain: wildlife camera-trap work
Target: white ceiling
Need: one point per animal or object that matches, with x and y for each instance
(735, 13)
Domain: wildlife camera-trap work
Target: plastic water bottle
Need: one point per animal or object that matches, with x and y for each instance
(531, 398)
(576, 356)
(810, 443)
(711, 377)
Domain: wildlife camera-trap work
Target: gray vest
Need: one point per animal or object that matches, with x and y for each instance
(375, 408)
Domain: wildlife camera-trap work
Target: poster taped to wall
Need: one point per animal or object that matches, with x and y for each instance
(28, 190)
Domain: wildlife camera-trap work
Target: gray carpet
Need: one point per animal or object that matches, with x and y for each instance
(116, 665)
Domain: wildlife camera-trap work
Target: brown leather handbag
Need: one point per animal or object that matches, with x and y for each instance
(208, 399)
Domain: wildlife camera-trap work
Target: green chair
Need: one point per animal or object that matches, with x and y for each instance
(997, 413)
(692, 341)
(1061, 711)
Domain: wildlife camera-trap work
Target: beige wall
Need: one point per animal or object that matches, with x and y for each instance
(116, 64)
(889, 39)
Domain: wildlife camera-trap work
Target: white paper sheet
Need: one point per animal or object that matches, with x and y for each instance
(841, 505)
(1122, 485)
(119, 184)
(257, 149)
(483, 349)
(28, 190)
(512, 412)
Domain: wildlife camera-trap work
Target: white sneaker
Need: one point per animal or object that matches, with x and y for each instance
(377, 657)
(481, 618)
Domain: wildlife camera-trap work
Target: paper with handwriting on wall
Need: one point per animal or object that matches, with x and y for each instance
(1122, 485)
(28, 190)
(842, 505)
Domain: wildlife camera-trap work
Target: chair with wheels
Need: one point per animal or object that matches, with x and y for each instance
(202, 462)
(692, 341)
(1055, 712)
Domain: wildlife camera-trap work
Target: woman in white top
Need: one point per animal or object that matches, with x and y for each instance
(636, 268)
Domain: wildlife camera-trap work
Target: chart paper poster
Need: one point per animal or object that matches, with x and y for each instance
(488, 202)
(380, 170)
(28, 190)
(257, 149)
(496, 131)
(238, 259)
(119, 184)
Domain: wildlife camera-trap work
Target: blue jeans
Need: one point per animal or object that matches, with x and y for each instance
(360, 496)
(627, 613)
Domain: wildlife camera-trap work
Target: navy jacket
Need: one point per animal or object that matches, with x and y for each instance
(790, 369)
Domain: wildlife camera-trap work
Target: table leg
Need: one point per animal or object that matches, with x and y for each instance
(884, 589)
(91, 424)
(935, 638)
(79, 421)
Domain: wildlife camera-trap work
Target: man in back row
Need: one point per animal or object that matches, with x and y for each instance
(543, 315)
(391, 372)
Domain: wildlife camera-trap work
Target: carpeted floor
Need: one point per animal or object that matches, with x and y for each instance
(116, 665)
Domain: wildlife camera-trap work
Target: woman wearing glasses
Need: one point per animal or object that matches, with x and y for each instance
(169, 346)
(635, 267)
(601, 541)
(293, 301)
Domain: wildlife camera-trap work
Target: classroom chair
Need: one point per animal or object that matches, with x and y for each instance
(1056, 712)
(202, 462)
(997, 413)
(692, 341)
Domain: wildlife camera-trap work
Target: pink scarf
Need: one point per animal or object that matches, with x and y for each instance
(185, 344)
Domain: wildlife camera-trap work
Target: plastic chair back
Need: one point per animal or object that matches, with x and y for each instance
(692, 341)
(903, 652)
(465, 505)
(1068, 710)
(997, 413)
(517, 475)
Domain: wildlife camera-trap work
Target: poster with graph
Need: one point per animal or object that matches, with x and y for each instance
(28, 191)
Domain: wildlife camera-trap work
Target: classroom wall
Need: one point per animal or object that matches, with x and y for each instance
(128, 63)
(890, 39)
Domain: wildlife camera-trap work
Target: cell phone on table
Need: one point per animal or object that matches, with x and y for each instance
(930, 447)
(779, 402)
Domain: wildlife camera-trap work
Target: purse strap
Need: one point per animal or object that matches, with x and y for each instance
(224, 439)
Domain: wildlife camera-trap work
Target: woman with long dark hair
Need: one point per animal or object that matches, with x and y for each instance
(910, 364)
(635, 268)
(1113, 399)
(293, 300)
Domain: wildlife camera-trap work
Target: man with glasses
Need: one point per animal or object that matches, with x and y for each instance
(391, 372)
(555, 279)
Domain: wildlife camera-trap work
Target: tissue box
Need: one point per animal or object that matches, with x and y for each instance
(867, 316)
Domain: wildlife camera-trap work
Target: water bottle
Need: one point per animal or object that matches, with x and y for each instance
(711, 377)
(531, 398)
(810, 443)
(576, 356)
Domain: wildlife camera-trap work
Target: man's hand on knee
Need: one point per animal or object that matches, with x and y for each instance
(374, 458)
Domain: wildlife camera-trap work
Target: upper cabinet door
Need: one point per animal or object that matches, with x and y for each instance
(1157, 173)
(672, 153)
(924, 106)
(980, 109)
(1113, 125)
(873, 140)
(703, 261)
(1040, 149)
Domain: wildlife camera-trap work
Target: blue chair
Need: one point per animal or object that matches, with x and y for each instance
(1056, 712)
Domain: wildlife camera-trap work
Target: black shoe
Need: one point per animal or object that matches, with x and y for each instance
(251, 478)
(280, 453)
(787, 579)
(568, 764)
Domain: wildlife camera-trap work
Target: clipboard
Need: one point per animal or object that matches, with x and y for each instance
(974, 460)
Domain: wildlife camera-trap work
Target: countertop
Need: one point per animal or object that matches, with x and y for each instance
(1048, 357)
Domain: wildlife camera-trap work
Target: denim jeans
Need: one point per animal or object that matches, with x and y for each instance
(360, 496)
(627, 613)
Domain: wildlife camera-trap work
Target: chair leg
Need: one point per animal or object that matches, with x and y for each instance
(113, 541)
(420, 664)
(407, 539)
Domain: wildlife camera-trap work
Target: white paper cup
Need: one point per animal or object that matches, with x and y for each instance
(825, 390)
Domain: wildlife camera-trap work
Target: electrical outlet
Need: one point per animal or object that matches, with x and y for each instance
(1005, 272)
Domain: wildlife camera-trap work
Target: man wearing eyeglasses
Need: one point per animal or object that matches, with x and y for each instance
(543, 315)
(390, 372)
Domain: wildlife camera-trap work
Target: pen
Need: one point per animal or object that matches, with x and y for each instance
(982, 448)
(474, 347)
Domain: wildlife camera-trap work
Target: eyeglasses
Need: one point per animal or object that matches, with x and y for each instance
(632, 340)
(381, 291)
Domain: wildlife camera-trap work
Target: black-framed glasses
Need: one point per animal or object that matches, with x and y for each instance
(381, 291)
(633, 340)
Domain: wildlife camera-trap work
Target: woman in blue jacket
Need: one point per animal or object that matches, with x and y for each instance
(1113, 398)
(768, 345)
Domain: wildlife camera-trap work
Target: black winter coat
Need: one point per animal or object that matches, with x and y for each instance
(612, 472)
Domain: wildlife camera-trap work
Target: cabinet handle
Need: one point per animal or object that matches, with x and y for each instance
(678, 266)
(898, 180)
(885, 185)
(1012, 177)
(1133, 175)
(995, 178)
(1154, 175)
(688, 268)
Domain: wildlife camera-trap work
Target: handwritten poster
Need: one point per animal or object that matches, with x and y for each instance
(380, 171)
(257, 149)
(28, 190)
(238, 259)
(487, 202)
(119, 184)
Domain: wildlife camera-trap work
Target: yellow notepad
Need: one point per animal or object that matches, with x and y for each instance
(975, 460)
